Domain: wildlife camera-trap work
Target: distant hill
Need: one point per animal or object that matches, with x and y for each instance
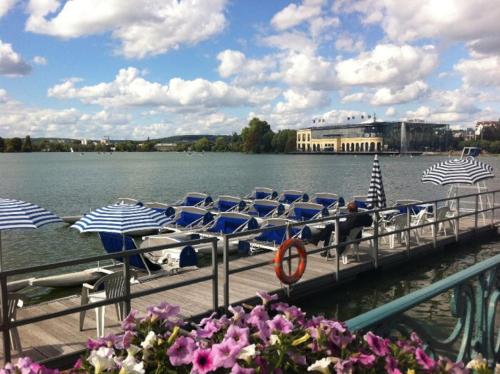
(188, 138)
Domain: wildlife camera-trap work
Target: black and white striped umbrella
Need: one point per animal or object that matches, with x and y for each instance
(376, 194)
(463, 171)
(17, 214)
(121, 219)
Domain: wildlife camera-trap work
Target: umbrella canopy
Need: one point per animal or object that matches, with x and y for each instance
(121, 219)
(376, 194)
(463, 171)
(17, 214)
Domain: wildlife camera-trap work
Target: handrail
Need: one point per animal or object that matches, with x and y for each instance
(398, 306)
(474, 304)
(6, 324)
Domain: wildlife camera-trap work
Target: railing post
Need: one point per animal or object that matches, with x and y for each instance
(435, 225)
(493, 209)
(336, 243)
(457, 221)
(5, 320)
(476, 214)
(215, 277)
(375, 240)
(408, 230)
(225, 260)
(126, 277)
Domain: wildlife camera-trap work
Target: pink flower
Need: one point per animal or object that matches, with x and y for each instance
(363, 359)
(377, 344)
(258, 314)
(415, 339)
(203, 361)
(280, 324)
(263, 332)
(162, 311)
(266, 298)
(238, 334)
(129, 322)
(181, 352)
(237, 369)
(208, 330)
(424, 360)
(343, 367)
(391, 365)
(239, 313)
(225, 353)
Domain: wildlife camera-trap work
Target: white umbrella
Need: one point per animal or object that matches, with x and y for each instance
(17, 214)
(463, 171)
(376, 194)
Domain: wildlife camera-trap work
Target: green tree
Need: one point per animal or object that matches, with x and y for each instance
(2, 144)
(27, 146)
(284, 141)
(14, 145)
(257, 137)
(201, 145)
(221, 144)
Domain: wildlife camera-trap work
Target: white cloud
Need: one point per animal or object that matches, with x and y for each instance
(355, 97)
(388, 64)
(299, 101)
(231, 62)
(347, 43)
(293, 14)
(387, 96)
(314, 72)
(480, 71)
(246, 71)
(475, 22)
(5, 6)
(293, 41)
(39, 60)
(143, 27)
(130, 89)
(11, 64)
(390, 112)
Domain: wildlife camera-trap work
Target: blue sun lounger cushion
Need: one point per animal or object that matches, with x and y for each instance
(226, 203)
(228, 224)
(113, 243)
(306, 211)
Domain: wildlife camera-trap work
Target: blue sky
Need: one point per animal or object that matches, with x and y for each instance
(133, 69)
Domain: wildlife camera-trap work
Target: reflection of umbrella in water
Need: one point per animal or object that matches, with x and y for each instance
(376, 194)
(16, 214)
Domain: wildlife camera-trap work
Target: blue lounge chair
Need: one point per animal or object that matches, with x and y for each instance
(195, 199)
(306, 211)
(262, 193)
(187, 218)
(272, 239)
(231, 222)
(292, 196)
(361, 202)
(168, 210)
(328, 200)
(266, 208)
(226, 203)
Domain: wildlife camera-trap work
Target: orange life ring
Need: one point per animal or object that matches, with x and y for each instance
(278, 261)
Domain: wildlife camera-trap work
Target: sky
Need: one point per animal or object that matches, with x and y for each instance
(132, 69)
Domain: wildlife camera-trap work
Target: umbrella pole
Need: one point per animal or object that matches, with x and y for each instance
(1, 260)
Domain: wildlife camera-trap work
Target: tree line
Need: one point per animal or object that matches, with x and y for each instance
(256, 137)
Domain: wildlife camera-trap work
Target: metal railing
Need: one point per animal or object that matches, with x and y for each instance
(126, 298)
(378, 233)
(474, 303)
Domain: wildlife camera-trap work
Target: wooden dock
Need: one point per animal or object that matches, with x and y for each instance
(61, 336)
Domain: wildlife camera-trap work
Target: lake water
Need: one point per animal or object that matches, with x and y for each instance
(70, 184)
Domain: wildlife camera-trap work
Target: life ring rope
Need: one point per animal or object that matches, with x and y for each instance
(278, 261)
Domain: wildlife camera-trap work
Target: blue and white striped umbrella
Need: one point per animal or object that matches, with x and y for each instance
(17, 214)
(121, 219)
(376, 194)
(463, 171)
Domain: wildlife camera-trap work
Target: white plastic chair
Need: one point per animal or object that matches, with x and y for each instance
(113, 286)
(417, 220)
(397, 222)
(15, 302)
(442, 213)
(353, 235)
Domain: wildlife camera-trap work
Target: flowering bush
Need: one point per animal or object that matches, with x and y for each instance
(26, 366)
(273, 337)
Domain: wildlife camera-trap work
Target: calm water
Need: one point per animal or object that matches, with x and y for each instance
(69, 184)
